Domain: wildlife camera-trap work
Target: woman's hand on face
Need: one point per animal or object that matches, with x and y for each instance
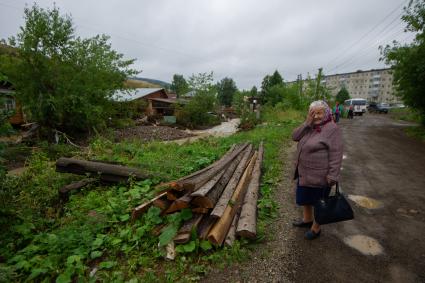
(310, 117)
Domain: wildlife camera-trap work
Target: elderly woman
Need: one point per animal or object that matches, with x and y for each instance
(318, 162)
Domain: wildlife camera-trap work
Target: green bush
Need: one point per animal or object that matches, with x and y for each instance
(198, 111)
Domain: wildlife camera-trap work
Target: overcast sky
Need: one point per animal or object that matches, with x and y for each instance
(241, 39)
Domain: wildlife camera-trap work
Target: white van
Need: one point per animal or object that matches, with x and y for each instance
(359, 105)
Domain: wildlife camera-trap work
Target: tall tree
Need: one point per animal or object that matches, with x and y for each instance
(276, 79)
(407, 60)
(64, 81)
(268, 83)
(226, 89)
(253, 92)
(342, 95)
(179, 85)
(202, 82)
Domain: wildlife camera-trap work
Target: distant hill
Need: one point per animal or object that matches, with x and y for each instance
(154, 82)
(133, 83)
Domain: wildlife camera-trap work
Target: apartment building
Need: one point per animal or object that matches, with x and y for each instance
(373, 85)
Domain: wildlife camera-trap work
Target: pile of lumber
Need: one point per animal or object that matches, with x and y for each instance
(222, 197)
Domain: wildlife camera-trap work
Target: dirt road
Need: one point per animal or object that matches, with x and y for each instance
(385, 242)
(384, 172)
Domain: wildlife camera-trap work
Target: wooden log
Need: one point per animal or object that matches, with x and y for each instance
(247, 225)
(231, 235)
(179, 204)
(209, 200)
(205, 226)
(64, 191)
(221, 227)
(145, 206)
(184, 233)
(173, 184)
(163, 204)
(202, 191)
(196, 182)
(201, 210)
(232, 185)
(106, 172)
(172, 195)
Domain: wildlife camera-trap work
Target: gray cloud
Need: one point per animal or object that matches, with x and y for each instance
(244, 40)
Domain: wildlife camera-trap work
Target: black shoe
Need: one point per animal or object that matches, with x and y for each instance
(311, 235)
(302, 224)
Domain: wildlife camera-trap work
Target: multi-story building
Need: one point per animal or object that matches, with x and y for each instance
(373, 85)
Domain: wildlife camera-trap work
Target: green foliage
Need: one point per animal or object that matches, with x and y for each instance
(226, 89)
(198, 111)
(179, 85)
(269, 95)
(64, 82)
(342, 95)
(93, 229)
(407, 60)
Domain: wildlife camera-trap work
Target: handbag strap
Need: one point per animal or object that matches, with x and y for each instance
(337, 192)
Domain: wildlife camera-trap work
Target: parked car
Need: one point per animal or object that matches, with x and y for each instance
(378, 108)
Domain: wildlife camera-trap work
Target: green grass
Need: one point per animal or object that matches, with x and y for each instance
(46, 242)
(405, 114)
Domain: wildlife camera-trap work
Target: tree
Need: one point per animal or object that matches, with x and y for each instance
(268, 83)
(202, 82)
(407, 60)
(226, 89)
(276, 79)
(197, 112)
(254, 91)
(179, 85)
(342, 95)
(63, 81)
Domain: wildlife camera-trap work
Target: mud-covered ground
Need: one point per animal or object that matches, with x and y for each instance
(150, 133)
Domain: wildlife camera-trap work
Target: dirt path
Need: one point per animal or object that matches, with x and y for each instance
(274, 260)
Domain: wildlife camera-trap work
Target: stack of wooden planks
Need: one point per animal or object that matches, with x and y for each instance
(222, 197)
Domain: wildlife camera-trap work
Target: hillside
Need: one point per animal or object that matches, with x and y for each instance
(153, 81)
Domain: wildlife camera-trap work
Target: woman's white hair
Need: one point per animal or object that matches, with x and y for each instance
(318, 103)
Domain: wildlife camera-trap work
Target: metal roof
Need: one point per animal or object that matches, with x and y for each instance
(133, 94)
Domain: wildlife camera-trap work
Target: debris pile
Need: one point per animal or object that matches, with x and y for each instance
(222, 197)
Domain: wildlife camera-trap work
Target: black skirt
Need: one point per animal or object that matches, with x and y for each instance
(309, 195)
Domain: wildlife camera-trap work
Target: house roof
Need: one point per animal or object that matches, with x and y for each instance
(169, 100)
(133, 94)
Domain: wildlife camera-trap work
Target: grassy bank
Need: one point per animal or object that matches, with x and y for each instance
(407, 114)
(91, 237)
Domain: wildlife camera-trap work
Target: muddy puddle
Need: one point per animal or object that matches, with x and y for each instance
(364, 244)
(366, 202)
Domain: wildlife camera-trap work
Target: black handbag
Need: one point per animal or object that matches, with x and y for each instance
(332, 209)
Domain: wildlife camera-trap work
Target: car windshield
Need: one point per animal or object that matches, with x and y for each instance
(359, 102)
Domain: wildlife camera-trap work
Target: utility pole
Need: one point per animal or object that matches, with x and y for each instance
(318, 79)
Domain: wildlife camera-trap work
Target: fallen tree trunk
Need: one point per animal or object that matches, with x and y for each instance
(64, 191)
(221, 227)
(247, 224)
(106, 172)
(145, 206)
(208, 199)
(232, 185)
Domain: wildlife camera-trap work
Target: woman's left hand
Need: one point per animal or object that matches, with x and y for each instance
(331, 182)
